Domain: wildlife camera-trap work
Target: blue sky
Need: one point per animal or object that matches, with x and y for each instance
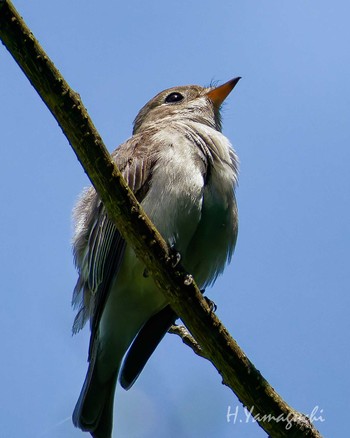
(284, 298)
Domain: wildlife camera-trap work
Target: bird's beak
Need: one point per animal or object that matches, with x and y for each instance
(219, 94)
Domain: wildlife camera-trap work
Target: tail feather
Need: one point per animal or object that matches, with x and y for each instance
(94, 409)
(144, 345)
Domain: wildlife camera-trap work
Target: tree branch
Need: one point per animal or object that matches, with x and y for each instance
(179, 288)
(187, 339)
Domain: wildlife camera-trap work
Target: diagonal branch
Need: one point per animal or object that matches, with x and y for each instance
(179, 288)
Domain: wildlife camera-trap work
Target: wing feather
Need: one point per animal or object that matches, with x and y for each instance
(97, 244)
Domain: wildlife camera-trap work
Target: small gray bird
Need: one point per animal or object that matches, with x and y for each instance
(183, 171)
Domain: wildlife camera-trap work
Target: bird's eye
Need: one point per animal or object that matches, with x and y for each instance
(174, 97)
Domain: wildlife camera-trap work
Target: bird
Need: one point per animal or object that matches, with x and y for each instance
(184, 173)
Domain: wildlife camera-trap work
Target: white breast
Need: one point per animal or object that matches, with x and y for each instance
(174, 200)
(195, 215)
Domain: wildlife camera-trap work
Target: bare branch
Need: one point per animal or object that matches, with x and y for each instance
(183, 295)
(187, 339)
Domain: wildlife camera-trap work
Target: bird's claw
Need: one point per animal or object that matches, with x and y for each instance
(211, 304)
(174, 257)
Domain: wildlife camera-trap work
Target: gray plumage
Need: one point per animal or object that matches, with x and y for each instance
(183, 171)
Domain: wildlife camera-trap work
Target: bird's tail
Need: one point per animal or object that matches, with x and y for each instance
(144, 345)
(94, 409)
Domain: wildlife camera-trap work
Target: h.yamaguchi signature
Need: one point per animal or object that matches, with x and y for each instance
(234, 415)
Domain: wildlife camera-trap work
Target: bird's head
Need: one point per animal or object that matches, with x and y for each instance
(185, 103)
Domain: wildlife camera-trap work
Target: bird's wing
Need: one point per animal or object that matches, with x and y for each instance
(98, 246)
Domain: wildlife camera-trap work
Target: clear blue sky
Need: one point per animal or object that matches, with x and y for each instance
(286, 295)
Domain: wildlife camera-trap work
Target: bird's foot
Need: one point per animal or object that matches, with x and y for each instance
(174, 257)
(211, 304)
